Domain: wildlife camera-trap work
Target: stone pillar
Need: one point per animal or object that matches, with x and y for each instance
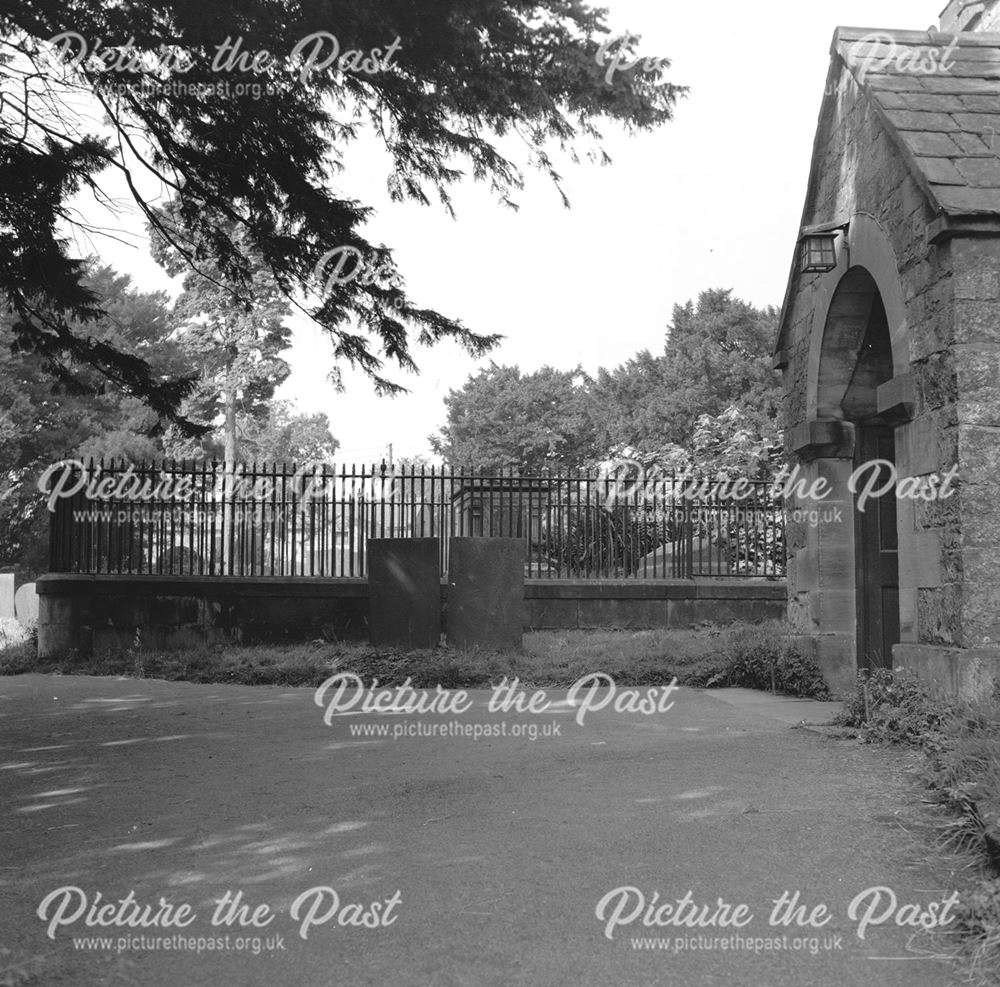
(825, 568)
(404, 592)
(64, 625)
(979, 451)
(928, 575)
(486, 607)
(975, 355)
(954, 573)
(822, 597)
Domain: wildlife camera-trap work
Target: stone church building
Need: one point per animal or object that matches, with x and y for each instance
(890, 350)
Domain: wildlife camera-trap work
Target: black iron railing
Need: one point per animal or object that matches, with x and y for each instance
(201, 519)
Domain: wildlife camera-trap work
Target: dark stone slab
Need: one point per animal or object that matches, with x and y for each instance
(486, 593)
(404, 592)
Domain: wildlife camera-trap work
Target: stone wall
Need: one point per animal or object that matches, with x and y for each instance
(597, 604)
(95, 614)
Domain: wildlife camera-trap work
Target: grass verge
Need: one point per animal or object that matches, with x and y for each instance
(751, 655)
(961, 746)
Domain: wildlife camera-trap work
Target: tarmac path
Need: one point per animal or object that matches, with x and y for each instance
(261, 845)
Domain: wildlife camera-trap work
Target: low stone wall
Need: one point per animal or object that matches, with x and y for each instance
(95, 614)
(586, 604)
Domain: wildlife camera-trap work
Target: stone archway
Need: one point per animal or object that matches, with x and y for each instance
(855, 361)
(868, 269)
(856, 399)
(856, 350)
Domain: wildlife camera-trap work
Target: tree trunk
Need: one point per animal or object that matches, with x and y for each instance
(229, 465)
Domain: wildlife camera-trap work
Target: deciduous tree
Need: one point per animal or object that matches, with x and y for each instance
(503, 418)
(289, 436)
(712, 392)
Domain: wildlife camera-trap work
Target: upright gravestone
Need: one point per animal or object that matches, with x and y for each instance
(7, 595)
(486, 593)
(26, 604)
(404, 592)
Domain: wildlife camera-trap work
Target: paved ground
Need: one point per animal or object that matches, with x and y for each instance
(477, 861)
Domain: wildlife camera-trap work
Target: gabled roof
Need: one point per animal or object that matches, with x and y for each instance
(946, 122)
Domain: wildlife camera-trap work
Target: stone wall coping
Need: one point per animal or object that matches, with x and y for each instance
(648, 589)
(59, 584)
(80, 583)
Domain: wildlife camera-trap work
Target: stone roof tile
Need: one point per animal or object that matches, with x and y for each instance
(933, 84)
(939, 98)
(928, 123)
(972, 145)
(980, 172)
(933, 145)
(942, 171)
(976, 123)
(928, 102)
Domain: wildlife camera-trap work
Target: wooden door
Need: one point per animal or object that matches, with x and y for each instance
(877, 557)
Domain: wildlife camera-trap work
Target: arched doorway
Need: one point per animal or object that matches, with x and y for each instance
(856, 359)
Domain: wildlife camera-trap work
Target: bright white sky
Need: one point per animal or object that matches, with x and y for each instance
(712, 199)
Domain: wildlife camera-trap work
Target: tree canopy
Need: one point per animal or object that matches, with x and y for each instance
(709, 402)
(237, 110)
(288, 436)
(502, 418)
(717, 353)
(712, 392)
(42, 422)
(235, 338)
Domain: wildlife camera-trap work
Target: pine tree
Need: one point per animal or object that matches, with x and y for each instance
(262, 142)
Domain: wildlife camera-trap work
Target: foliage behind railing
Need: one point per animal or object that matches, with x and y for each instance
(315, 520)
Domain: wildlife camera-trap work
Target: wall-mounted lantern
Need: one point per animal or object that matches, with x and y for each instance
(818, 248)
